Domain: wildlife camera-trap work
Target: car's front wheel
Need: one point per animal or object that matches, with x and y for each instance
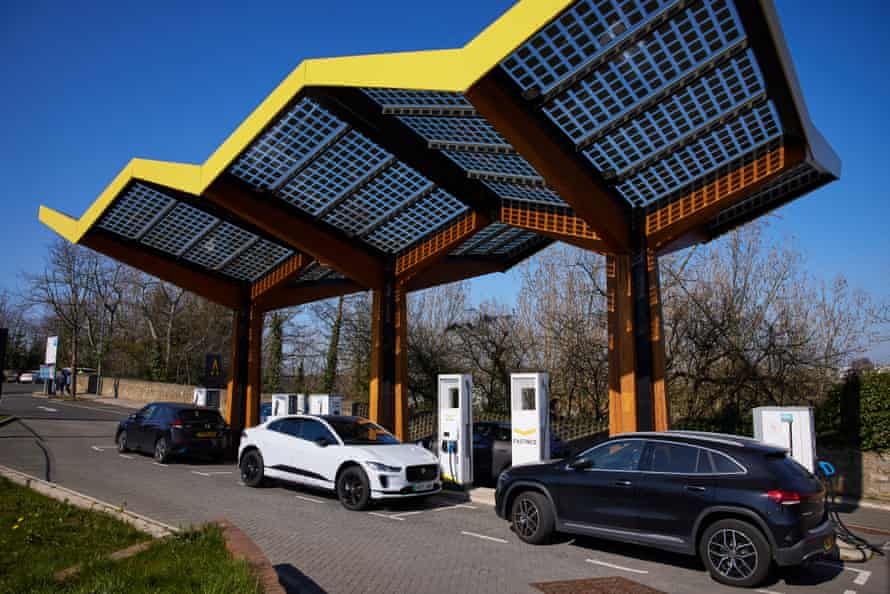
(532, 517)
(735, 553)
(252, 468)
(353, 489)
(122, 442)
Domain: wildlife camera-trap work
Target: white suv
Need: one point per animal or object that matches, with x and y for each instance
(352, 456)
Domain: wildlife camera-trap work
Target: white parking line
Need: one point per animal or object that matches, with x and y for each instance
(768, 592)
(48, 409)
(310, 499)
(492, 538)
(387, 516)
(103, 448)
(849, 591)
(862, 575)
(613, 566)
(200, 473)
(410, 513)
(886, 546)
(159, 464)
(125, 456)
(459, 506)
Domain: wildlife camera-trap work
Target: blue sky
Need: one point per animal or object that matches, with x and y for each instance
(88, 85)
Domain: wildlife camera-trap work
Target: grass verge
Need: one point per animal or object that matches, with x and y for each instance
(40, 536)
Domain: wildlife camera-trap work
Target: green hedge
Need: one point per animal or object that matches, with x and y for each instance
(857, 413)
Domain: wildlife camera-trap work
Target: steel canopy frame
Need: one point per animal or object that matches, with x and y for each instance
(543, 183)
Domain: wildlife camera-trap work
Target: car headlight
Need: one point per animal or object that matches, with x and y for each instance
(380, 467)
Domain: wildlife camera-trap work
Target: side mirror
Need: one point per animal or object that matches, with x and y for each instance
(322, 442)
(580, 464)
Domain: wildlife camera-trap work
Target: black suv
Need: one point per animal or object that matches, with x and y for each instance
(167, 429)
(737, 502)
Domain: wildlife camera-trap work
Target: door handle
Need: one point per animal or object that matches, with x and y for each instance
(696, 489)
(622, 483)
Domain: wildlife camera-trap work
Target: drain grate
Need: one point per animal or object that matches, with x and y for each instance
(604, 585)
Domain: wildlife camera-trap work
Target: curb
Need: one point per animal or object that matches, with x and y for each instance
(8, 420)
(482, 496)
(240, 546)
(866, 503)
(54, 490)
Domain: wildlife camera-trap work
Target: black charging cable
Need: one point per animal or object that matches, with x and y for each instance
(841, 530)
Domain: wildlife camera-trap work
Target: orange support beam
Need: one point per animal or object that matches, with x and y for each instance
(208, 286)
(439, 245)
(622, 378)
(669, 224)
(389, 359)
(290, 296)
(553, 157)
(637, 392)
(278, 277)
(304, 235)
(254, 369)
(554, 222)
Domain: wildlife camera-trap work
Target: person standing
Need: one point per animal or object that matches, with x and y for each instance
(66, 381)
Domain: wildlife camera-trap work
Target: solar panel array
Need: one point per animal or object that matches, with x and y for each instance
(658, 95)
(180, 230)
(342, 178)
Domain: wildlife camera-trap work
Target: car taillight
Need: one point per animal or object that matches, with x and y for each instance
(784, 497)
(176, 423)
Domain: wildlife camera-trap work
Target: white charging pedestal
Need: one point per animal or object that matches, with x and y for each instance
(288, 404)
(325, 404)
(530, 417)
(208, 397)
(791, 427)
(455, 443)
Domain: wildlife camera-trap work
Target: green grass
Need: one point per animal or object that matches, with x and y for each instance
(40, 536)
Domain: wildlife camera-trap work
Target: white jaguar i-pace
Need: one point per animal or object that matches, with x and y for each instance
(352, 456)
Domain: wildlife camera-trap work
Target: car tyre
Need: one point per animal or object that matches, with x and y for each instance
(735, 553)
(162, 451)
(532, 518)
(122, 442)
(353, 489)
(251, 468)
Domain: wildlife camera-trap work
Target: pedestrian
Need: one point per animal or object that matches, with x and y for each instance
(66, 380)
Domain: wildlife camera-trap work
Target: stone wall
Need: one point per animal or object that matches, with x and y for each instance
(860, 474)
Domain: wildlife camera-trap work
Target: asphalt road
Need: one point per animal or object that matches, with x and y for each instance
(316, 545)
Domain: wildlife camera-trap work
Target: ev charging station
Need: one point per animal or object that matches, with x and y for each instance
(208, 397)
(791, 427)
(288, 404)
(455, 442)
(325, 404)
(530, 417)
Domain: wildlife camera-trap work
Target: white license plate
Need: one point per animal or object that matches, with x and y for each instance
(423, 486)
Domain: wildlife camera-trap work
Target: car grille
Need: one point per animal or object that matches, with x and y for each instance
(427, 472)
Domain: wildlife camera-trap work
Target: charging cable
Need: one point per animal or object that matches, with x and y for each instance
(827, 470)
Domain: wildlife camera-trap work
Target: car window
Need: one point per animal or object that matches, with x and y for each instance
(481, 431)
(201, 415)
(723, 464)
(673, 458)
(313, 430)
(502, 433)
(286, 426)
(150, 411)
(615, 455)
(361, 432)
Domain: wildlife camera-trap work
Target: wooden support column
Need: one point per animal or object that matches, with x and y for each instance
(237, 388)
(637, 392)
(389, 358)
(254, 368)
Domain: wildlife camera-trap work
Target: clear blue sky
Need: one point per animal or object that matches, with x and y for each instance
(88, 85)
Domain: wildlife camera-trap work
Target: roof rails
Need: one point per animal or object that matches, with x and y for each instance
(733, 440)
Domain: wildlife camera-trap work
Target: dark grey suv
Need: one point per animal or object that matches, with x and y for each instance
(738, 503)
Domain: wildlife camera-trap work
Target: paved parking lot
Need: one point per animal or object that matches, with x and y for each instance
(316, 545)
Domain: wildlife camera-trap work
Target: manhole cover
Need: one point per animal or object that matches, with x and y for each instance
(604, 585)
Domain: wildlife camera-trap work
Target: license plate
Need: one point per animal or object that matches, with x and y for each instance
(423, 486)
(207, 434)
(828, 543)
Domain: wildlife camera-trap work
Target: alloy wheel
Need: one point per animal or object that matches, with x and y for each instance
(353, 490)
(732, 554)
(526, 518)
(249, 469)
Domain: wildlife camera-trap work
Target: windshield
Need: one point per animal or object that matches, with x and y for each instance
(362, 432)
(200, 415)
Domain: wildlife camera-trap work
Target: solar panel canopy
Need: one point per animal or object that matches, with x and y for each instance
(615, 125)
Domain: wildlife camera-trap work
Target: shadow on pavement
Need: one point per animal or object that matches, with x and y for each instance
(295, 581)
